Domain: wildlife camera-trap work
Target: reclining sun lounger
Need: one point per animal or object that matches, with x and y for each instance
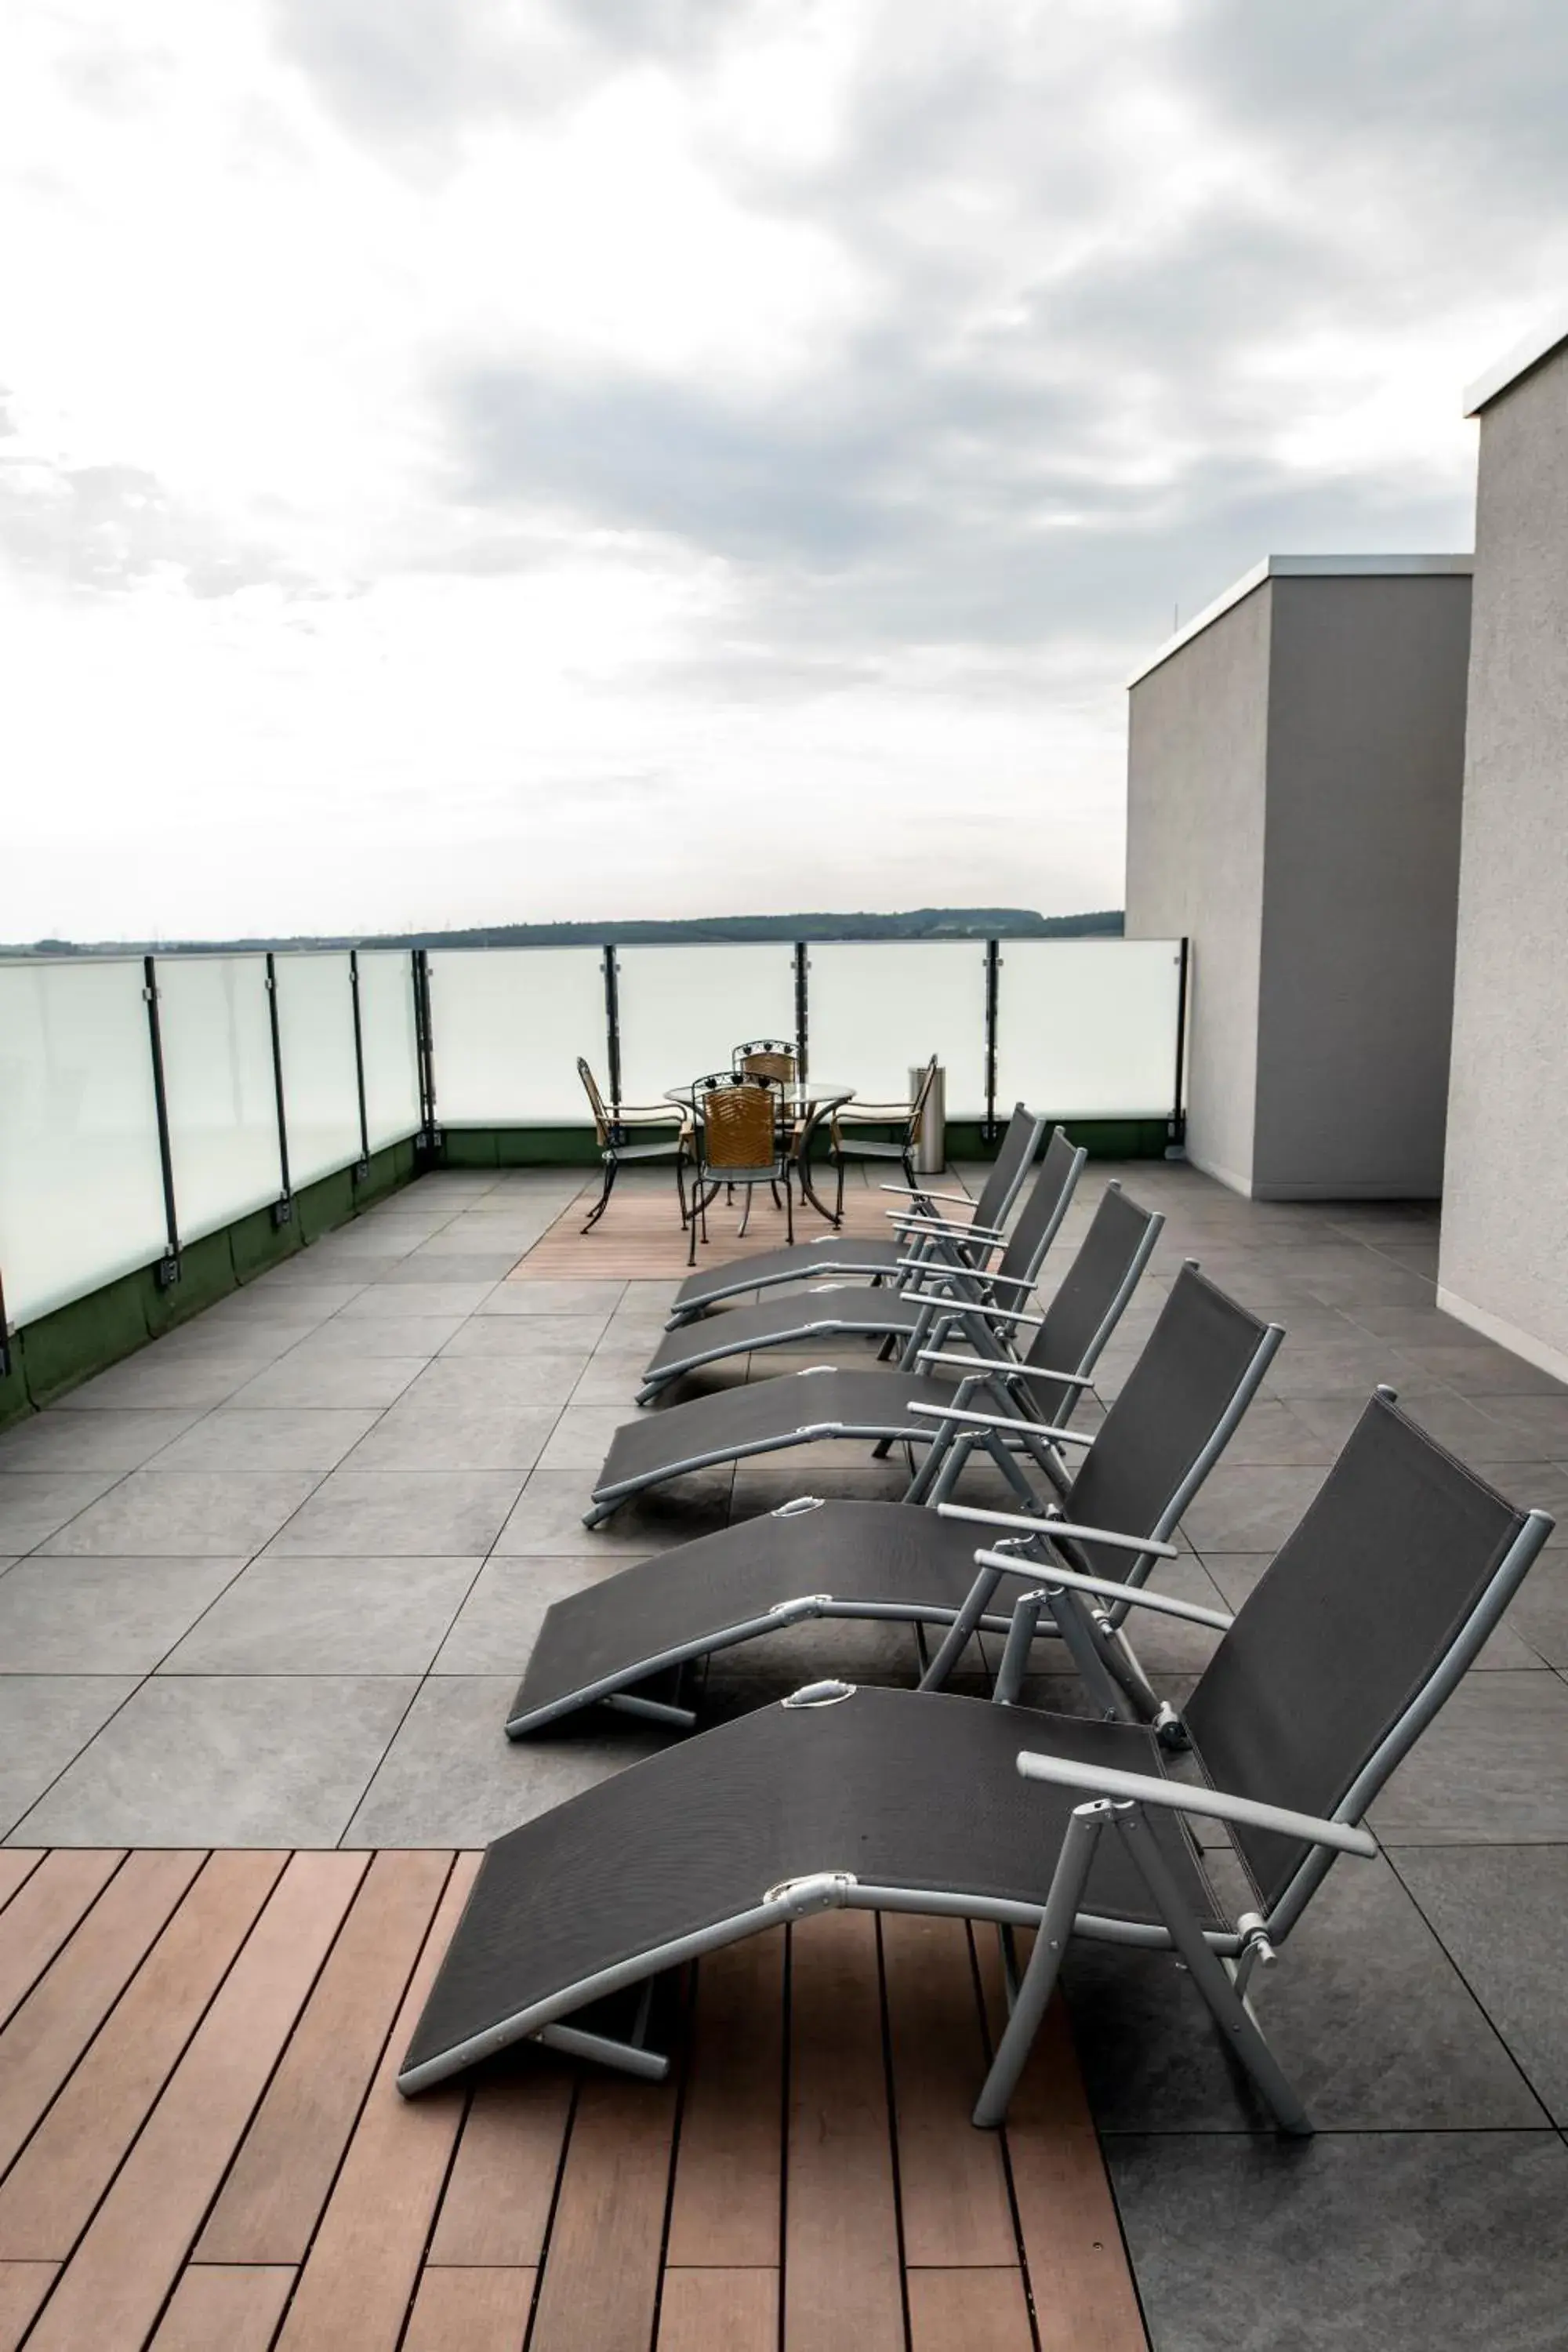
(924, 1802)
(1197, 1373)
(838, 1305)
(877, 1258)
(882, 1408)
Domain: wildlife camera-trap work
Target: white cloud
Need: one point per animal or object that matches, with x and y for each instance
(656, 456)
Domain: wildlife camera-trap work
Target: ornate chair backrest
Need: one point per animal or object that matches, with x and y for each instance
(738, 1116)
(596, 1104)
(767, 1057)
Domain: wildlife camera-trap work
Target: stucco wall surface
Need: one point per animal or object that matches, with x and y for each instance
(1197, 734)
(1504, 1260)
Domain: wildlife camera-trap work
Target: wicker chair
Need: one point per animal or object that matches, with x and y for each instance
(767, 1057)
(739, 1141)
(844, 1143)
(613, 1132)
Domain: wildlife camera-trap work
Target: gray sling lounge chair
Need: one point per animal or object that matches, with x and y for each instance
(891, 1408)
(923, 1801)
(839, 1307)
(877, 1259)
(1198, 1373)
(884, 1560)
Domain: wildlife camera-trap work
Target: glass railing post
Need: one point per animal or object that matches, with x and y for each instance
(168, 1266)
(283, 1206)
(613, 1029)
(802, 1005)
(993, 971)
(429, 1138)
(4, 1336)
(361, 1166)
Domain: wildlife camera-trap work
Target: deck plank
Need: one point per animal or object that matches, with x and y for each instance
(496, 2209)
(969, 2310)
(953, 2185)
(841, 2261)
(614, 2192)
(1078, 2273)
(726, 2211)
(359, 2281)
(65, 2008)
(129, 2257)
(641, 1240)
(23, 2286)
(283, 2174)
(17, 1863)
(233, 2309)
(471, 2311)
(719, 2310)
(49, 2193)
(43, 1914)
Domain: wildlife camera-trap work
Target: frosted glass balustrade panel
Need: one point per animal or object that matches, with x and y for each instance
(321, 1076)
(875, 1011)
(507, 1026)
(390, 1045)
(81, 1191)
(1088, 1028)
(218, 1075)
(684, 1009)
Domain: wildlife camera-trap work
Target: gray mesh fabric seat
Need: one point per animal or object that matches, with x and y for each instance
(839, 1307)
(1200, 1367)
(885, 1800)
(879, 1258)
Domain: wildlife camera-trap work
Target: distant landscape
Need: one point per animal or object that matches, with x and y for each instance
(920, 923)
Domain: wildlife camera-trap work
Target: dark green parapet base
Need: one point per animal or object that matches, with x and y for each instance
(61, 1350)
(574, 1147)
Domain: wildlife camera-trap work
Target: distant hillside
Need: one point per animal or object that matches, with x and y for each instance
(922, 923)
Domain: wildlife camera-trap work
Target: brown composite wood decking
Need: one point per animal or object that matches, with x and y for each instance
(640, 1238)
(202, 2149)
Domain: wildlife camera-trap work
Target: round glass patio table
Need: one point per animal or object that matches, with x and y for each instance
(809, 1099)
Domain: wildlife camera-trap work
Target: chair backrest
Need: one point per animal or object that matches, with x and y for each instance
(1367, 1617)
(738, 1112)
(595, 1103)
(1198, 1373)
(767, 1057)
(1014, 1156)
(1089, 1301)
(1041, 1214)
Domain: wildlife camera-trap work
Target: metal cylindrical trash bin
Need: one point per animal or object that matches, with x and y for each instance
(930, 1144)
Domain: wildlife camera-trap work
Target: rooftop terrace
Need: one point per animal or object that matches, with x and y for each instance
(269, 1585)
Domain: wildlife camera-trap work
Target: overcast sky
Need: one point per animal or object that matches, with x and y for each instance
(469, 460)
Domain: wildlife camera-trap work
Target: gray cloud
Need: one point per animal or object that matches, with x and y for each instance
(109, 528)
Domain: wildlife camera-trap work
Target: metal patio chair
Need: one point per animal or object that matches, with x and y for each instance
(846, 1142)
(739, 1141)
(892, 1561)
(924, 1802)
(613, 1132)
(767, 1057)
(878, 1259)
(932, 1286)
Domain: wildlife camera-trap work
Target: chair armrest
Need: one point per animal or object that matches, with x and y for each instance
(1000, 1421)
(1001, 1364)
(1164, 1604)
(949, 1266)
(1012, 1314)
(907, 1224)
(920, 1193)
(1042, 1526)
(1180, 1797)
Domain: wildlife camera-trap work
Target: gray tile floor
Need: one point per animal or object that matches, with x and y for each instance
(272, 1581)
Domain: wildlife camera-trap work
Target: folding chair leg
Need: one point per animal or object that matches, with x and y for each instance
(961, 1632)
(1208, 1972)
(789, 1210)
(1040, 1979)
(746, 1212)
